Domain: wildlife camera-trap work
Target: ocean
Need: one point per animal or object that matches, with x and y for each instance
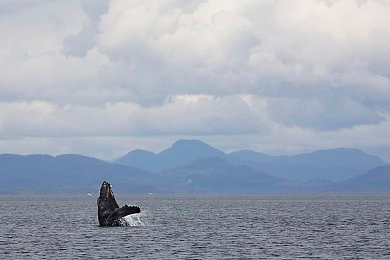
(199, 227)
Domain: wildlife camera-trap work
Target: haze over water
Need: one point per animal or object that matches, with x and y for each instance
(199, 227)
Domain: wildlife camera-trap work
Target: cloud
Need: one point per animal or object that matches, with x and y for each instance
(183, 115)
(78, 44)
(322, 114)
(331, 48)
(202, 68)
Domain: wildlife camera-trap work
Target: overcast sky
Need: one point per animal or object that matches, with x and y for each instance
(103, 77)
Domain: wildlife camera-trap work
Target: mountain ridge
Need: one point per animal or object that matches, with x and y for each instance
(191, 166)
(333, 164)
(180, 153)
(66, 173)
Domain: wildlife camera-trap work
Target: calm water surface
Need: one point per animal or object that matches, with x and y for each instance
(185, 227)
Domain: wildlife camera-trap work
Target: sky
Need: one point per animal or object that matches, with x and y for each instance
(101, 78)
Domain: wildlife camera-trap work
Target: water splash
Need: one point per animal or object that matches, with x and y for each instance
(134, 220)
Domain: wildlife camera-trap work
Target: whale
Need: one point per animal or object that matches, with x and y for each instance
(109, 212)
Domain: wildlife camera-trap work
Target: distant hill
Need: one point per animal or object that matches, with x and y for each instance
(67, 174)
(141, 159)
(332, 164)
(251, 156)
(375, 180)
(191, 166)
(220, 176)
(180, 153)
(343, 157)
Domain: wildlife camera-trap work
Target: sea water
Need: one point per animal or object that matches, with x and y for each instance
(199, 227)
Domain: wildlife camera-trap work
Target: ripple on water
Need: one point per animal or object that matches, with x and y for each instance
(257, 227)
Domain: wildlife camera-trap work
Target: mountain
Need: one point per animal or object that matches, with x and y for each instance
(191, 166)
(180, 153)
(332, 164)
(76, 174)
(217, 175)
(249, 156)
(329, 165)
(339, 157)
(140, 159)
(375, 180)
(67, 174)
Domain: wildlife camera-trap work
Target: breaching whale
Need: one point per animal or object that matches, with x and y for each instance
(109, 213)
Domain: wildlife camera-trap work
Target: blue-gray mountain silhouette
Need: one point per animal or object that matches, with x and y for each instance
(220, 176)
(182, 152)
(193, 166)
(251, 156)
(332, 164)
(67, 174)
(375, 180)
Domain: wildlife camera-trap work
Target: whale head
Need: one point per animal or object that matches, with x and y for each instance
(109, 213)
(106, 190)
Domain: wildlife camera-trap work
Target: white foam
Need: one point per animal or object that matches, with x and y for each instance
(134, 220)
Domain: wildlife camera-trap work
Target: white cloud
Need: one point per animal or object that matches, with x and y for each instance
(182, 115)
(265, 69)
(78, 44)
